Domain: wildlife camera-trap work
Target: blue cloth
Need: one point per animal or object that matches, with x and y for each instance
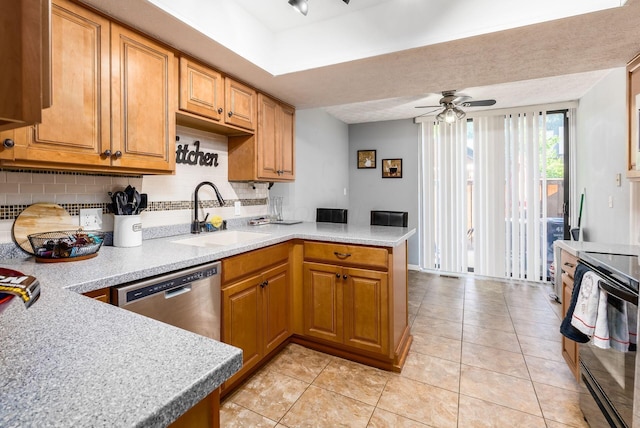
(567, 330)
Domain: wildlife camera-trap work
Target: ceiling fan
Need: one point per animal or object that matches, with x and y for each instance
(452, 103)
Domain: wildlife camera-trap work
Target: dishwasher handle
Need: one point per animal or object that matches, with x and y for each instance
(175, 292)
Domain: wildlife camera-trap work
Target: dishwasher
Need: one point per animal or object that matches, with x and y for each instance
(188, 299)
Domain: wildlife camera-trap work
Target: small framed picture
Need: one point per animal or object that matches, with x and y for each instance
(391, 168)
(366, 159)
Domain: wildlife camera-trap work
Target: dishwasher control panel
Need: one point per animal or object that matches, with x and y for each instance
(166, 283)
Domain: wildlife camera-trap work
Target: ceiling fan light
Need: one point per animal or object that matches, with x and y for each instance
(300, 5)
(450, 115)
(459, 113)
(440, 116)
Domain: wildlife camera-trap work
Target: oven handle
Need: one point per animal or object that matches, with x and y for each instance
(620, 293)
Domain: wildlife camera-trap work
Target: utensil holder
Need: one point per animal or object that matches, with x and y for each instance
(127, 231)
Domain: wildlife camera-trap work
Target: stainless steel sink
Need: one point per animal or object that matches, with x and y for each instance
(217, 239)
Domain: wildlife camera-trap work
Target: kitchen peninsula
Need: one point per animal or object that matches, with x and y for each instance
(72, 360)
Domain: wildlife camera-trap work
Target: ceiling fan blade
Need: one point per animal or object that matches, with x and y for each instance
(479, 103)
(427, 106)
(460, 98)
(429, 112)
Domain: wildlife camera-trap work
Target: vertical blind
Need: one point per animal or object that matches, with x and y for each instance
(484, 195)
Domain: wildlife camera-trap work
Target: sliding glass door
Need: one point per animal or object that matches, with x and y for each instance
(494, 192)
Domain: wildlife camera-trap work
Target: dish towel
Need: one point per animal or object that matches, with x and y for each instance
(568, 330)
(615, 332)
(588, 305)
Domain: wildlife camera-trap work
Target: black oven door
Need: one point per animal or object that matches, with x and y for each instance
(609, 374)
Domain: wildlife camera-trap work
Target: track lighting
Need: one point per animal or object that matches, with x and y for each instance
(300, 5)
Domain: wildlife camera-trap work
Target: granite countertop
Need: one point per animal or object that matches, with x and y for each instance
(72, 361)
(576, 247)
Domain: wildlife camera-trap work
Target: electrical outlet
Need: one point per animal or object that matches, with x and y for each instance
(236, 206)
(91, 218)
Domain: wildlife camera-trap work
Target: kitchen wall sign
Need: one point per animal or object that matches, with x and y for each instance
(195, 156)
(366, 159)
(391, 168)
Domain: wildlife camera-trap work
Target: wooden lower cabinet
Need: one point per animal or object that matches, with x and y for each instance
(204, 414)
(103, 295)
(347, 306)
(354, 302)
(256, 310)
(569, 347)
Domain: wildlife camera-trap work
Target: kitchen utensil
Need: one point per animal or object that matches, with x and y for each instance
(575, 232)
(143, 203)
(66, 246)
(38, 218)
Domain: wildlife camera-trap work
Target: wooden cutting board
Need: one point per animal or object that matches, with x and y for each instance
(38, 218)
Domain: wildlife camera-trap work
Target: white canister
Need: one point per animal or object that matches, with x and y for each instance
(127, 231)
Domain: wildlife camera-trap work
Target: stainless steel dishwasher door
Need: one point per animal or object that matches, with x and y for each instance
(189, 299)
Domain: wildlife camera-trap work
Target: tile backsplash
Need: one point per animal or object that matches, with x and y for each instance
(170, 196)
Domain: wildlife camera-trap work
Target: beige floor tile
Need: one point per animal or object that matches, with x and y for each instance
(488, 337)
(436, 346)
(554, 424)
(269, 394)
(497, 360)
(540, 330)
(383, 419)
(436, 327)
(486, 319)
(235, 416)
(433, 371)
(541, 348)
(554, 373)
(560, 405)
(489, 307)
(299, 362)
(444, 300)
(498, 388)
(545, 315)
(425, 403)
(318, 407)
(353, 380)
(441, 312)
(474, 413)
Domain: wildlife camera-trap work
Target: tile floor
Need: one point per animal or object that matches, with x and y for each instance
(485, 354)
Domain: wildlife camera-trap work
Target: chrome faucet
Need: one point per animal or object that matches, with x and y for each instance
(196, 226)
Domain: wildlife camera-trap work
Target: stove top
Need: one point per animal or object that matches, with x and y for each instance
(622, 267)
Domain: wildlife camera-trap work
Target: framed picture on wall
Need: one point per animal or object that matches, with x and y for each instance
(391, 168)
(366, 159)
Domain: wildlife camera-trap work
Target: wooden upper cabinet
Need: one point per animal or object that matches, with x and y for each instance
(24, 44)
(76, 129)
(240, 104)
(269, 155)
(143, 102)
(275, 136)
(201, 90)
(633, 109)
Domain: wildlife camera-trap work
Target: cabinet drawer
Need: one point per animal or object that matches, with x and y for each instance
(245, 264)
(568, 263)
(346, 254)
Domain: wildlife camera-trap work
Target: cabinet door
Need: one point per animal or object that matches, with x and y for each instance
(22, 26)
(76, 128)
(242, 320)
(240, 104)
(286, 140)
(569, 347)
(276, 300)
(268, 150)
(322, 296)
(143, 102)
(201, 90)
(366, 310)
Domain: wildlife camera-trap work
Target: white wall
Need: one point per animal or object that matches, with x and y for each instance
(369, 191)
(601, 154)
(322, 171)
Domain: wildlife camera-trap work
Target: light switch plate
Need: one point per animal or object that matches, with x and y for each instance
(91, 218)
(236, 206)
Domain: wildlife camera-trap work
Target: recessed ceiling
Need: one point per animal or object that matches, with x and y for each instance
(377, 59)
